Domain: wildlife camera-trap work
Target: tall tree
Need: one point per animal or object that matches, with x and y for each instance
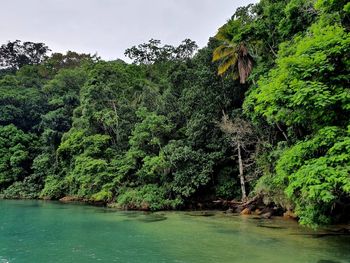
(151, 52)
(234, 57)
(233, 52)
(16, 54)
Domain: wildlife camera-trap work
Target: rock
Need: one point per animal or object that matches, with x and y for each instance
(68, 199)
(229, 211)
(237, 209)
(257, 212)
(252, 207)
(201, 213)
(246, 211)
(290, 215)
(266, 215)
(145, 206)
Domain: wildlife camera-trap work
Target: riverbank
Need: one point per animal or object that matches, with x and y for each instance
(253, 206)
(253, 209)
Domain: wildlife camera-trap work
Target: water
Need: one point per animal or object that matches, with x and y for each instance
(43, 232)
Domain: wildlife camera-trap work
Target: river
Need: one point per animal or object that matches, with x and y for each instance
(43, 232)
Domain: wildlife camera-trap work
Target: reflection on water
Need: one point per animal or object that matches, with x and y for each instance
(41, 232)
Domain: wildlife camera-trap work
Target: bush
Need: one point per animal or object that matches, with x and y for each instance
(54, 188)
(22, 190)
(149, 197)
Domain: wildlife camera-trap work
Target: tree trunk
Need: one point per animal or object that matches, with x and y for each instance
(241, 175)
(284, 134)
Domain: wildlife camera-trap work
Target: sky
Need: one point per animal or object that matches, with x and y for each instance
(108, 27)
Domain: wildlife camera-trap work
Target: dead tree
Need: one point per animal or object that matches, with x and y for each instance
(241, 135)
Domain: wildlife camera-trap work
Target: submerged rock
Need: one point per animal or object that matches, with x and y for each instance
(152, 218)
(271, 227)
(201, 213)
(266, 215)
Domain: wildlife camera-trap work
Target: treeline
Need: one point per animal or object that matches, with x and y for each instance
(263, 109)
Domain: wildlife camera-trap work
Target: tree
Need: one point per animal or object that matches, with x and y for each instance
(16, 150)
(20, 105)
(69, 60)
(308, 88)
(241, 136)
(233, 52)
(235, 57)
(307, 93)
(16, 54)
(151, 52)
(315, 176)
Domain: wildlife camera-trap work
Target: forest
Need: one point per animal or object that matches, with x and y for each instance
(262, 110)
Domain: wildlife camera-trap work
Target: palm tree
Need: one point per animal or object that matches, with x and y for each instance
(233, 56)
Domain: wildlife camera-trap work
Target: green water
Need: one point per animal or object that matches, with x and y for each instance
(36, 232)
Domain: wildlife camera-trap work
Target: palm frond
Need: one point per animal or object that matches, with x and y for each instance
(222, 35)
(222, 52)
(234, 56)
(226, 64)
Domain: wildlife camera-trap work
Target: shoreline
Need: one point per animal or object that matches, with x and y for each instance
(321, 231)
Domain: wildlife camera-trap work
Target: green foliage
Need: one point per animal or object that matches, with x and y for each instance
(20, 105)
(148, 197)
(306, 97)
(226, 187)
(298, 15)
(308, 88)
(87, 162)
(15, 55)
(152, 52)
(16, 148)
(29, 188)
(316, 174)
(54, 188)
(192, 169)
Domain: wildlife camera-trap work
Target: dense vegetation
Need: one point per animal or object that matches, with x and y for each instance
(168, 131)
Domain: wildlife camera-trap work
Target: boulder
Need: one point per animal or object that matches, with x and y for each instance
(246, 211)
(290, 215)
(267, 215)
(229, 211)
(257, 212)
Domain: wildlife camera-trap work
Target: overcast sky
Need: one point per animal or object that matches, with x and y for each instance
(108, 27)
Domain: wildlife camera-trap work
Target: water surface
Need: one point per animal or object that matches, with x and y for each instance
(42, 232)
